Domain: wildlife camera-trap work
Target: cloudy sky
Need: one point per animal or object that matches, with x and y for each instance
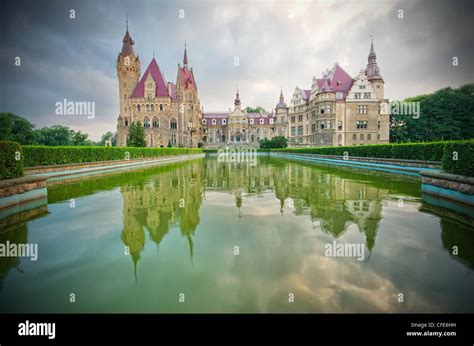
(279, 44)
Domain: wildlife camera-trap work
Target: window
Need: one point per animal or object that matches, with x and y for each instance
(146, 122)
(339, 125)
(362, 109)
(293, 119)
(313, 128)
(224, 121)
(339, 137)
(173, 138)
(361, 124)
(369, 137)
(361, 86)
(126, 122)
(161, 107)
(156, 123)
(124, 96)
(214, 121)
(138, 108)
(357, 95)
(293, 131)
(173, 124)
(148, 107)
(354, 137)
(328, 124)
(300, 130)
(300, 117)
(378, 125)
(321, 110)
(367, 95)
(322, 125)
(204, 121)
(261, 121)
(361, 136)
(313, 113)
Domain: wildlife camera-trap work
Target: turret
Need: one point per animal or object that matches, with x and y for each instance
(372, 72)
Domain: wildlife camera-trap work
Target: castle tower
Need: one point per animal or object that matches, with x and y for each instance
(128, 72)
(373, 73)
(281, 111)
(189, 105)
(237, 99)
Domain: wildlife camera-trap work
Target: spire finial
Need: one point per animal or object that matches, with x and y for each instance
(185, 59)
(126, 20)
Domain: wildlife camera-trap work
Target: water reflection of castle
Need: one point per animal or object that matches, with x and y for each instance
(172, 199)
(334, 201)
(166, 200)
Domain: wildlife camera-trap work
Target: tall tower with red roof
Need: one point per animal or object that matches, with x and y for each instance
(128, 73)
(188, 103)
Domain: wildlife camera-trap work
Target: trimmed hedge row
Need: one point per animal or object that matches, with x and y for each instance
(44, 155)
(405, 151)
(433, 151)
(459, 158)
(10, 167)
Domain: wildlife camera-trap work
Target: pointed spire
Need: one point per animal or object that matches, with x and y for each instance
(237, 99)
(128, 42)
(282, 103)
(372, 71)
(185, 59)
(325, 86)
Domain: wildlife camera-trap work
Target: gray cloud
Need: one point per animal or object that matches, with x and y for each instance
(279, 43)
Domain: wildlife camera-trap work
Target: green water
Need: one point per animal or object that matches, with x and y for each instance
(237, 238)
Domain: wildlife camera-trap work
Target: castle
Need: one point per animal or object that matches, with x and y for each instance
(170, 113)
(337, 110)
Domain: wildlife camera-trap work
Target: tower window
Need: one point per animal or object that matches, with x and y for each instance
(161, 108)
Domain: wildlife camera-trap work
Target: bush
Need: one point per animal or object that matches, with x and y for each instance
(463, 151)
(10, 167)
(275, 142)
(406, 151)
(43, 155)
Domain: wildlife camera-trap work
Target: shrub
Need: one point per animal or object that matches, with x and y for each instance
(405, 151)
(10, 167)
(463, 151)
(43, 155)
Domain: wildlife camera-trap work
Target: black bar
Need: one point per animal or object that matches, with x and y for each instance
(292, 329)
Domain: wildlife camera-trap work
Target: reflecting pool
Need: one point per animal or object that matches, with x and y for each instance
(205, 236)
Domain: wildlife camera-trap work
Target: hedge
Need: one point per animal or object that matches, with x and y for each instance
(432, 151)
(10, 167)
(459, 158)
(44, 155)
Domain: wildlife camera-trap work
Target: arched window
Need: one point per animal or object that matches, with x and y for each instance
(156, 122)
(173, 124)
(152, 108)
(146, 122)
(138, 108)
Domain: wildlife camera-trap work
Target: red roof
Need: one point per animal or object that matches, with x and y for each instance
(161, 86)
(187, 78)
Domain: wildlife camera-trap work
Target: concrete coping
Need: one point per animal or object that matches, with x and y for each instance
(19, 181)
(447, 176)
(363, 158)
(69, 166)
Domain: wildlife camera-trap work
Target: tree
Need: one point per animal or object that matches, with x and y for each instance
(108, 136)
(54, 135)
(274, 143)
(257, 109)
(17, 129)
(136, 136)
(169, 144)
(79, 138)
(444, 115)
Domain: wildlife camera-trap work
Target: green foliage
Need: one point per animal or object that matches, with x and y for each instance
(459, 158)
(61, 135)
(10, 167)
(136, 135)
(275, 142)
(108, 136)
(43, 155)
(406, 151)
(16, 129)
(257, 109)
(444, 115)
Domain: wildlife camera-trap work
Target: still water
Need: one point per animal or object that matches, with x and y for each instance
(204, 236)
